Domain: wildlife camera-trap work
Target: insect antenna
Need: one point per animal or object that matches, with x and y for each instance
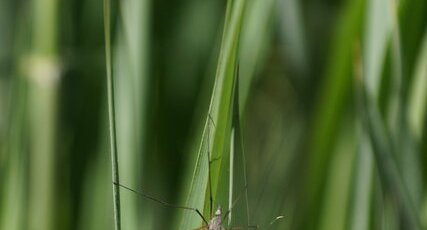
(166, 204)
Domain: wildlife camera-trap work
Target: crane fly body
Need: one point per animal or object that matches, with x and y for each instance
(215, 223)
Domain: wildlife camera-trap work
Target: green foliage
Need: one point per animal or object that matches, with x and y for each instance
(310, 110)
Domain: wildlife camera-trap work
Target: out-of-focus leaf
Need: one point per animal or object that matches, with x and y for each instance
(256, 33)
(418, 93)
(132, 79)
(385, 160)
(329, 108)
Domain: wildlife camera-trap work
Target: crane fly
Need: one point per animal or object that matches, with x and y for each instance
(215, 221)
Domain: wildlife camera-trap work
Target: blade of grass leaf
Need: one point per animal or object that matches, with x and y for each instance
(383, 153)
(337, 186)
(111, 115)
(375, 37)
(294, 35)
(360, 214)
(256, 34)
(333, 95)
(395, 97)
(44, 80)
(417, 113)
(413, 21)
(96, 208)
(232, 145)
(418, 98)
(219, 111)
(13, 201)
(397, 122)
(377, 31)
(362, 184)
(238, 165)
(131, 71)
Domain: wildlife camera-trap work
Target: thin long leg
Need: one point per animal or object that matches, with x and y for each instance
(209, 172)
(163, 202)
(210, 160)
(211, 119)
(244, 227)
(256, 226)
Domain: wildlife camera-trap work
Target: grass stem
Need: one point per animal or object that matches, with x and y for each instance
(111, 115)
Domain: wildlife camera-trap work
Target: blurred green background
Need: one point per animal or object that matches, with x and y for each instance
(331, 96)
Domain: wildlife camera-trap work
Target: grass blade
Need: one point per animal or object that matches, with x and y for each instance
(329, 109)
(256, 34)
(386, 163)
(131, 64)
(238, 164)
(111, 115)
(44, 78)
(418, 98)
(220, 112)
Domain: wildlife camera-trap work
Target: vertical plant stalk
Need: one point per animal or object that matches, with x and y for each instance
(43, 72)
(384, 154)
(130, 61)
(111, 115)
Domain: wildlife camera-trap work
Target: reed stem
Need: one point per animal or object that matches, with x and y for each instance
(111, 116)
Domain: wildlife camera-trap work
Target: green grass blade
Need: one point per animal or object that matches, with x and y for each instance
(376, 36)
(238, 187)
(131, 77)
(408, 157)
(13, 196)
(385, 161)
(220, 111)
(96, 209)
(418, 97)
(417, 111)
(111, 115)
(256, 34)
(337, 189)
(361, 196)
(329, 109)
(44, 78)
